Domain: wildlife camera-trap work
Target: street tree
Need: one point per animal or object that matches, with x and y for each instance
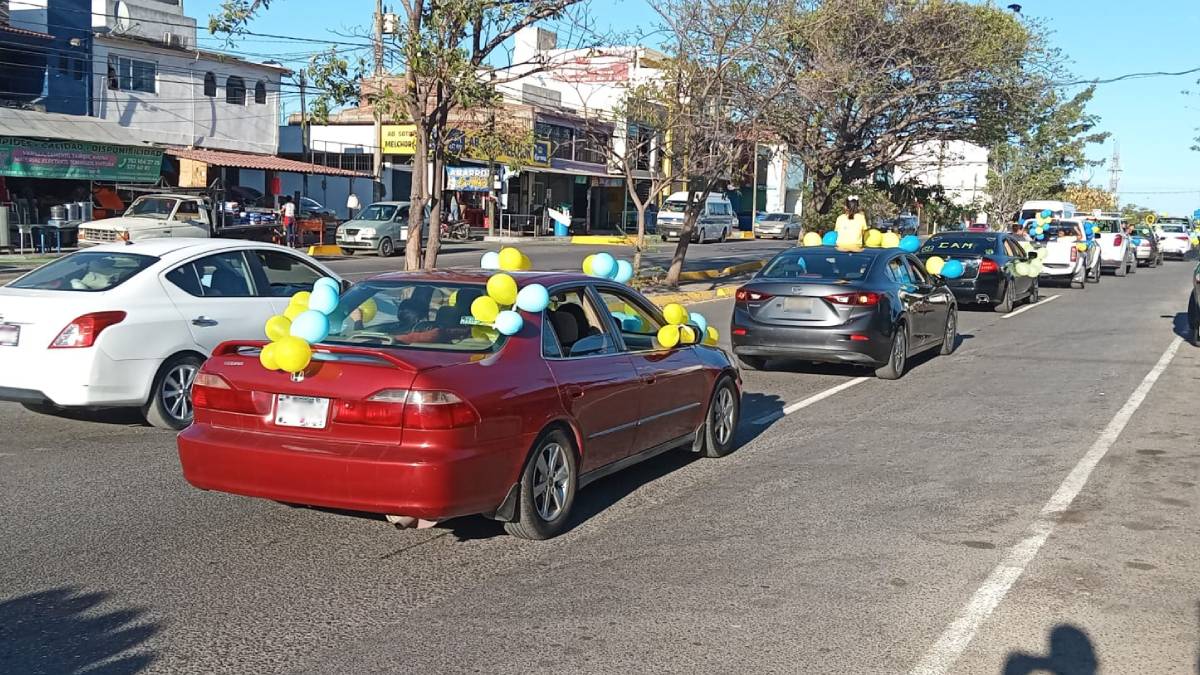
(1087, 198)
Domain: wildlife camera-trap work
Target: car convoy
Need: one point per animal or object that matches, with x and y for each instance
(416, 411)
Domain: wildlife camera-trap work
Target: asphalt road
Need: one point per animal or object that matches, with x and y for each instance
(1028, 502)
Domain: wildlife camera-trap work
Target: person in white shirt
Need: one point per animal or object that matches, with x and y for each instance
(288, 212)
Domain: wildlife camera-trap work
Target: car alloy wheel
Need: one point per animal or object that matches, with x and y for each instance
(715, 437)
(894, 368)
(1005, 306)
(550, 479)
(170, 405)
(385, 248)
(1035, 295)
(950, 337)
(547, 488)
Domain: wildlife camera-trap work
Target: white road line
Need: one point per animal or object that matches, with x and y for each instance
(959, 634)
(1026, 308)
(800, 405)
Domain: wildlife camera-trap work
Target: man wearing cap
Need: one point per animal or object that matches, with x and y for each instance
(851, 226)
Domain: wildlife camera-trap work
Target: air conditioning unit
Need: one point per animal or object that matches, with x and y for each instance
(174, 40)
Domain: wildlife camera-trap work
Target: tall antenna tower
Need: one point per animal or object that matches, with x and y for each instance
(1114, 171)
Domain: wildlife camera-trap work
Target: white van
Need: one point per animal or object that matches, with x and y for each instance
(1058, 209)
(714, 223)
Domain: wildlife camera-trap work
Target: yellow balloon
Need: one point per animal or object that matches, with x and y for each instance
(1081, 247)
(811, 239)
(453, 299)
(369, 309)
(711, 336)
(526, 263)
(292, 354)
(675, 313)
(1095, 229)
(874, 238)
(484, 309)
(891, 240)
(278, 327)
(502, 288)
(484, 333)
(934, 265)
(687, 335)
(587, 264)
(668, 336)
(267, 357)
(1195, 241)
(301, 299)
(510, 259)
(292, 312)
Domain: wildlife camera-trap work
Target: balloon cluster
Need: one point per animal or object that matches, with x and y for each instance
(949, 269)
(605, 266)
(875, 239)
(685, 328)
(306, 321)
(1031, 268)
(1040, 222)
(497, 309)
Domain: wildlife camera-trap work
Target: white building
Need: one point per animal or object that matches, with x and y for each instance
(960, 167)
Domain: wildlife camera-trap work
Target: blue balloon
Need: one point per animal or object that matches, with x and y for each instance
(490, 261)
(508, 322)
(331, 284)
(953, 269)
(1046, 213)
(624, 272)
(604, 265)
(830, 238)
(910, 243)
(633, 324)
(323, 299)
(700, 321)
(311, 326)
(533, 298)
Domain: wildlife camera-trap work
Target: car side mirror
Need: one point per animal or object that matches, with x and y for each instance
(346, 285)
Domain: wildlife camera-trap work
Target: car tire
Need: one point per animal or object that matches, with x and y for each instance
(724, 236)
(1132, 265)
(347, 252)
(1035, 293)
(950, 334)
(1193, 321)
(170, 404)
(1094, 277)
(753, 362)
(386, 248)
(553, 454)
(1081, 280)
(1006, 305)
(715, 437)
(1121, 269)
(897, 355)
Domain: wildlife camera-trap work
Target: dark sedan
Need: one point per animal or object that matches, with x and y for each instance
(989, 262)
(875, 308)
(1194, 309)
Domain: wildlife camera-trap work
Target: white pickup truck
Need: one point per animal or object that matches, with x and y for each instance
(1063, 259)
(1117, 251)
(158, 216)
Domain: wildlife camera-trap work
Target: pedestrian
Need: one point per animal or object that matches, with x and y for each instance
(851, 226)
(288, 213)
(1019, 232)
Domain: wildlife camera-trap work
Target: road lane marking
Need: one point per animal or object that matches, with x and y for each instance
(815, 398)
(959, 634)
(1026, 308)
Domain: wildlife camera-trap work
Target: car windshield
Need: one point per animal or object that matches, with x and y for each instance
(823, 266)
(1174, 221)
(1143, 230)
(1175, 229)
(412, 314)
(951, 244)
(776, 216)
(153, 207)
(378, 212)
(88, 271)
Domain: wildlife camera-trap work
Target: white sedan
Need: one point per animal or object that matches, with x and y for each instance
(1175, 240)
(128, 325)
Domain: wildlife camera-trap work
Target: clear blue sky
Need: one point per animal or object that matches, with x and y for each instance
(1152, 119)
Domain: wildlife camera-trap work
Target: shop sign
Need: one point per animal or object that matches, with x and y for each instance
(467, 179)
(398, 139)
(79, 160)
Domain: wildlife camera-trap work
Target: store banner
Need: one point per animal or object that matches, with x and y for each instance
(398, 139)
(467, 179)
(28, 158)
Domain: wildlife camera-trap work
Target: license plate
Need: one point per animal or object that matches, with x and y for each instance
(9, 335)
(306, 412)
(798, 305)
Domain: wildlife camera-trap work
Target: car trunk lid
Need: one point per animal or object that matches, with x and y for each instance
(792, 303)
(34, 318)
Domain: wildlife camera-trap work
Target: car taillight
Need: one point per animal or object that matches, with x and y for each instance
(383, 409)
(1181, 237)
(213, 392)
(750, 295)
(988, 266)
(854, 299)
(83, 331)
(1117, 240)
(1074, 254)
(437, 410)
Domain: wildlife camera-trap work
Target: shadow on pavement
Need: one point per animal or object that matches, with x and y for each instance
(117, 416)
(1181, 324)
(68, 630)
(1071, 653)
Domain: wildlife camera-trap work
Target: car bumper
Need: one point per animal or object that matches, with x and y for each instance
(74, 377)
(825, 344)
(1060, 270)
(763, 234)
(407, 479)
(1173, 247)
(969, 291)
(359, 244)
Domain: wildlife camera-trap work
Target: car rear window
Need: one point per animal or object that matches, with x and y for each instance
(87, 271)
(819, 266)
(414, 315)
(1174, 228)
(978, 245)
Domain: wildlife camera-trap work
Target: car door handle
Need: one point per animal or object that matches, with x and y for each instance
(649, 379)
(203, 321)
(574, 391)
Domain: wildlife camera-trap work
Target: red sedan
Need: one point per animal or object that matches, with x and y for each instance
(415, 413)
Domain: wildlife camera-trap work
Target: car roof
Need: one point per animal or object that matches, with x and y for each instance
(480, 276)
(389, 203)
(170, 195)
(968, 233)
(178, 247)
(834, 249)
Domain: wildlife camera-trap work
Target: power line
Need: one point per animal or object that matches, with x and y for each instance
(1130, 76)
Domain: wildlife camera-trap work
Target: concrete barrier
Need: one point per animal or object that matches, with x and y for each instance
(603, 240)
(324, 250)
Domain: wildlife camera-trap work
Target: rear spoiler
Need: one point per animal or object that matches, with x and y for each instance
(230, 347)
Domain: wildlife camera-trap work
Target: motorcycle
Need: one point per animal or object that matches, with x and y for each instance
(459, 231)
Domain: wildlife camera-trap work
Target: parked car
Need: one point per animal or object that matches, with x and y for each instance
(128, 325)
(1194, 309)
(416, 414)
(989, 260)
(1063, 260)
(1145, 240)
(714, 223)
(380, 227)
(152, 217)
(778, 226)
(1117, 251)
(311, 208)
(903, 225)
(873, 308)
(1176, 239)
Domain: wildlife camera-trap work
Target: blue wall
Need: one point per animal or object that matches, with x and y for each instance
(69, 68)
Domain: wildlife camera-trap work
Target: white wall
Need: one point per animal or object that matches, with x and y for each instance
(958, 166)
(179, 113)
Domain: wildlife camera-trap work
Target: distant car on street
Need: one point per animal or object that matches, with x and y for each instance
(381, 227)
(778, 226)
(1117, 251)
(714, 222)
(1063, 259)
(989, 260)
(874, 308)
(129, 325)
(419, 414)
(1145, 241)
(1176, 239)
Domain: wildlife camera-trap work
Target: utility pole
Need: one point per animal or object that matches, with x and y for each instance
(303, 129)
(1114, 174)
(377, 171)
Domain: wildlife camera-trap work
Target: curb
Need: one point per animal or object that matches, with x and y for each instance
(706, 275)
(682, 297)
(602, 240)
(326, 250)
